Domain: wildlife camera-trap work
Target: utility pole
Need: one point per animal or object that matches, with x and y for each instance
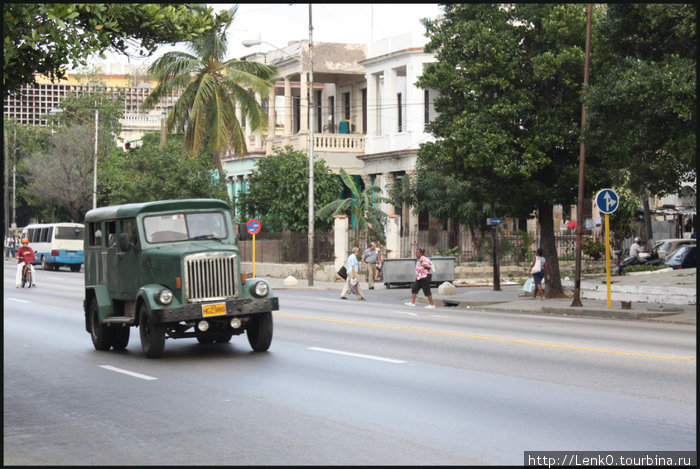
(582, 162)
(14, 180)
(94, 163)
(7, 189)
(311, 152)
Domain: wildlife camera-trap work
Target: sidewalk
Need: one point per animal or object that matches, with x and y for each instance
(644, 294)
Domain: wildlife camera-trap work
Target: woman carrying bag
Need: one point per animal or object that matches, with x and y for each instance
(537, 269)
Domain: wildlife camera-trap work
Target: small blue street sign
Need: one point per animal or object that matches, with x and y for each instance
(494, 221)
(253, 226)
(607, 201)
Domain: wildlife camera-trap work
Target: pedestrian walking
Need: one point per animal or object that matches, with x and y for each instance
(352, 282)
(424, 269)
(370, 259)
(10, 246)
(538, 268)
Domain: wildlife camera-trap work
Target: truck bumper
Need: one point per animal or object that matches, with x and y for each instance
(234, 308)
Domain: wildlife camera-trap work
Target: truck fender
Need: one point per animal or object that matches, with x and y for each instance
(147, 295)
(104, 304)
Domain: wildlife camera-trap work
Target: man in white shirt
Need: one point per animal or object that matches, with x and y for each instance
(352, 281)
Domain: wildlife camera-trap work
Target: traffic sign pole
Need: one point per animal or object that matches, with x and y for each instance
(253, 227)
(607, 255)
(607, 201)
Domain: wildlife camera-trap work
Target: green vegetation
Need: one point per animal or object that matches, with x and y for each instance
(213, 87)
(46, 38)
(367, 218)
(279, 192)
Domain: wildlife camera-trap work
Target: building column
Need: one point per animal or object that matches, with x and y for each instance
(410, 217)
(304, 103)
(287, 109)
(270, 123)
(388, 181)
(340, 235)
(393, 245)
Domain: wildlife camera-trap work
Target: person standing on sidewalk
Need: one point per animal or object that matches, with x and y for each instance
(424, 269)
(10, 246)
(537, 270)
(352, 283)
(370, 258)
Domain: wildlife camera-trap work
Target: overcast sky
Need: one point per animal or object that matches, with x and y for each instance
(280, 23)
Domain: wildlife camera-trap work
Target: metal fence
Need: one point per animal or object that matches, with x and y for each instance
(287, 247)
(512, 248)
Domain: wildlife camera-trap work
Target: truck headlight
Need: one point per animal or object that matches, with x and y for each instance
(261, 289)
(164, 296)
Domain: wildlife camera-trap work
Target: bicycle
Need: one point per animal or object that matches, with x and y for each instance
(26, 275)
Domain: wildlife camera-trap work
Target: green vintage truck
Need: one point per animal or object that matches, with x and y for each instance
(172, 269)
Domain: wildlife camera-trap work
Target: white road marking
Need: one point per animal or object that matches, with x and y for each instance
(19, 301)
(358, 355)
(126, 372)
(404, 312)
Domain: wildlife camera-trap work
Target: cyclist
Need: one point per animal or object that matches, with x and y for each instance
(25, 254)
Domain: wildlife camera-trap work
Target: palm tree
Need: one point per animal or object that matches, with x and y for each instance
(366, 217)
(213, 88)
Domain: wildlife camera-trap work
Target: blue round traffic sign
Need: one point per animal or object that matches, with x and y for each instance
(607, 201)
(253, 226)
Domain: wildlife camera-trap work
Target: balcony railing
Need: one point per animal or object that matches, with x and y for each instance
(323, 142)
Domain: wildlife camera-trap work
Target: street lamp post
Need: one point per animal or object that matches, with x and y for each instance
(311, 152)
(310, 114)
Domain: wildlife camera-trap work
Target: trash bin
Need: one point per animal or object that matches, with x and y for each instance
(402, 272)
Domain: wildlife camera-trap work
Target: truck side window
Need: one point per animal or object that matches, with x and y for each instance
(128, 226)
(111, 228)
(95, 234)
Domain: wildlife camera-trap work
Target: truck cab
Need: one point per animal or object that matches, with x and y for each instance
(171, 268)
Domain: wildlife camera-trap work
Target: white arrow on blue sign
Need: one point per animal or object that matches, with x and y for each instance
(607, 201)
(494, 221)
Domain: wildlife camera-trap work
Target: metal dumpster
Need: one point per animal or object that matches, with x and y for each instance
(403, 271)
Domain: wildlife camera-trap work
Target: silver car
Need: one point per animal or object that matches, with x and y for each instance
(666, 246)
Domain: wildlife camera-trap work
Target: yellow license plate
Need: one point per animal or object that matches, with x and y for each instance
(217, 309)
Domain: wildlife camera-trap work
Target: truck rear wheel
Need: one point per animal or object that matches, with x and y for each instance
(100, 333)
(120, 337)
(152, 335)
(259, 332)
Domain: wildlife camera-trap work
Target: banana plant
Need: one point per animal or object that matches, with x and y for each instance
(362, 206)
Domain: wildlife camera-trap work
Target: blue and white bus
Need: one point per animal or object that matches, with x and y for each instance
(56, 244)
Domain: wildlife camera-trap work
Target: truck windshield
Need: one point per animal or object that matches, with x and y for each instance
(184, 226)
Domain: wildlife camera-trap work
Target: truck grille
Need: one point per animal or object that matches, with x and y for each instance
(210, 276)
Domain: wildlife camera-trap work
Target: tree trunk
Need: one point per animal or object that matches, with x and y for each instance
(548, 244)
(647, 219)
(217, 160)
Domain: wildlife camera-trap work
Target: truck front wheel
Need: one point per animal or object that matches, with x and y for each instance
(259, 332)
(101, 335)
(152, 335)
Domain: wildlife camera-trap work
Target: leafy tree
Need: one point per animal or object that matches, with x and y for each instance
(279, 191)
(509, 79)
(62, 174)
(46, 38)
(154, 172)
(367, 218)
(642, 102)
(206, 109)
(22, 142)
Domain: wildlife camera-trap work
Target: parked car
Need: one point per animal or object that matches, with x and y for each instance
(682, 258)
(664, 247)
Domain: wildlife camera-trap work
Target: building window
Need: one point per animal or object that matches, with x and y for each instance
(426, 107)
(346, 106)
(331, 112)
(400, 116)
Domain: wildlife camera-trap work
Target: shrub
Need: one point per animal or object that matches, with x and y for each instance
(593, 248)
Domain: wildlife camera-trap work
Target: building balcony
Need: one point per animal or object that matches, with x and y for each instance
(323, 142)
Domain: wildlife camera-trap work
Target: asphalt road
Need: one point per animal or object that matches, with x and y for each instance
(344, 382)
